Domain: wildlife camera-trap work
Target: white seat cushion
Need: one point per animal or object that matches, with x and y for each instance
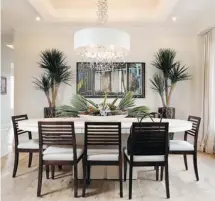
(103, 154)
(180, 145)
(30, 144)
(60, 153)
(153, 158)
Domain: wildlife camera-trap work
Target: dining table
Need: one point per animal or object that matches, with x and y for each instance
(175, 125)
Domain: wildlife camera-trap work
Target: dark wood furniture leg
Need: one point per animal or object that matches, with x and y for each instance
(52, 171)
(47, 171)
(167, 181)
(125, 169)
(120, 179)
(161, 177)
(130, 181)
(195, 166)
(75, 181)
(16, 161)
(40, 177)
(185, 161)
(30, 159)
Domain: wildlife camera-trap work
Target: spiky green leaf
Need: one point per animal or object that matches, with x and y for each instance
(158, 84)
(127, 101)
(54, 62)
(43, 82)
(165, 60)
(66, 111)
(134, 112)
(179, 73)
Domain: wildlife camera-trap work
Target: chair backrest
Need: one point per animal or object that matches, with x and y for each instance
(102, 134)
(195, 129)
(56, 133)
(151, 115)
(155, 115)
(17, 131)
(149, 138)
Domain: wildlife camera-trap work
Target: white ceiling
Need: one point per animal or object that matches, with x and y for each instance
(84, 11)
(196, 15)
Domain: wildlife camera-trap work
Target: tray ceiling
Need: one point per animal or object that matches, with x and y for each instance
(85, 10)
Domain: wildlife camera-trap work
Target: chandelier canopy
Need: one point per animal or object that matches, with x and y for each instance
(102, 47)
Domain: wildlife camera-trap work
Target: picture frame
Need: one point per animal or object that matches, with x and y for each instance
(129, 76)
(3, 85)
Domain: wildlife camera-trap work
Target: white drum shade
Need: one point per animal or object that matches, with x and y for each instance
(95, 38)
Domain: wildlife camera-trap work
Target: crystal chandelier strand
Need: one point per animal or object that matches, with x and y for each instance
(102, 15)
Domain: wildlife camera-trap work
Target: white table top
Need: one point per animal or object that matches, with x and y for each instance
(175, 125)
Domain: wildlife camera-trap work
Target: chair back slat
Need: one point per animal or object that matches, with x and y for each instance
(195, 129)
(56, 133)
(103, 134)
(17, 131)
(149, 138)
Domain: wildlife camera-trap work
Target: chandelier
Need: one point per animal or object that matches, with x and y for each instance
(102, 48)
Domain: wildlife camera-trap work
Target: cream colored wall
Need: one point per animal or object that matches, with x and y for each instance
(6, 71)
(144, 43)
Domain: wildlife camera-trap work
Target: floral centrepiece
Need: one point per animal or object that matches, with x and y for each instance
(81, 105)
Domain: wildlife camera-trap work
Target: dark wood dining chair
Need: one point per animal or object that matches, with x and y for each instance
(183, 147)
(149, 147)
(151, 115)
(62, 149)
(102, 147)
(30, 146)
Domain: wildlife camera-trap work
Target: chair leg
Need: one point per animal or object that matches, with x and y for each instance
(84, 179)
(130, 181)
(60, 167)
(83, 167)
(161, 177)
(120, 179)
(75, 181)
(40, 177)
(185, 161)
(47, 171)
(88, 174)
(167, 180)
(125, 168)
(16, 161)
(157, 173)
(52, 171)
(195, 166)
(30, 159)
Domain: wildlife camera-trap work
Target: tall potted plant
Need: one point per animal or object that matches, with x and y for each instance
(164, 83)
(56, 72)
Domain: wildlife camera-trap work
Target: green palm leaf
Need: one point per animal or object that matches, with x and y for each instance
(43, 82)
(66, 111)
(134, 112)
(54, 62)
(79, 103)
(164, 60)
(127, 101)
(158, 84)
(178, 73)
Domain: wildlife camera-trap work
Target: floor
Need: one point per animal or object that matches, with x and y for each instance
(183, 186)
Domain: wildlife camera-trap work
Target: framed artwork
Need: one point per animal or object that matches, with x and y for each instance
(3, 85)
(123, 78)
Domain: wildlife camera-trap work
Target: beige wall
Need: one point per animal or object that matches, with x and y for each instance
(6, 71)
(144, 43)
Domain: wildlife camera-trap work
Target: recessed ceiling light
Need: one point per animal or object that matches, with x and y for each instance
(37, 18)
(174, 19)
(10, 46)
